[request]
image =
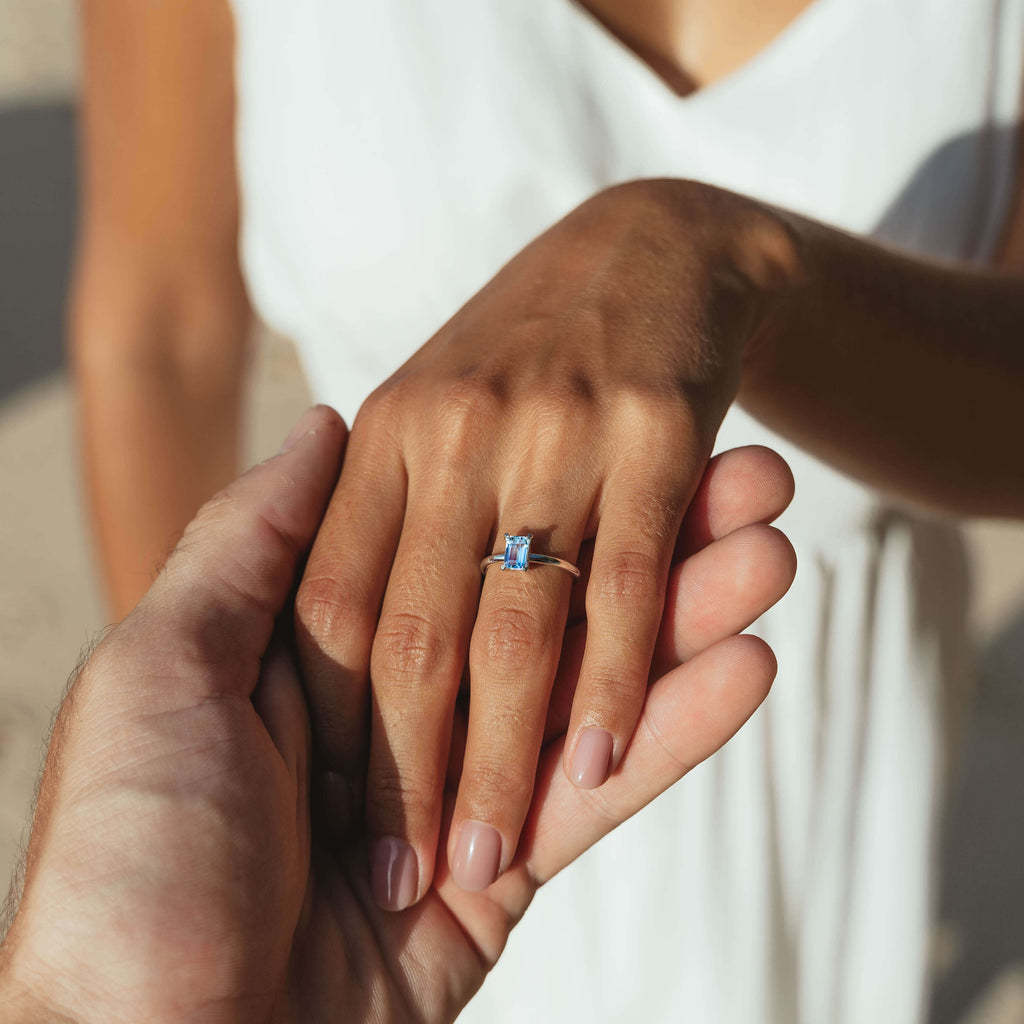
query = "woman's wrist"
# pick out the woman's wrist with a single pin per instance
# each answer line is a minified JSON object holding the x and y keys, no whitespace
{"x":754,"y":255}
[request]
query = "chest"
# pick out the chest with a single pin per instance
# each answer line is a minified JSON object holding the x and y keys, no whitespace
{"x":691,"y":44}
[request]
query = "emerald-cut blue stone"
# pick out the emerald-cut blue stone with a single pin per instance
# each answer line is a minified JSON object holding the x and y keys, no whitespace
{"x":517,"y":552}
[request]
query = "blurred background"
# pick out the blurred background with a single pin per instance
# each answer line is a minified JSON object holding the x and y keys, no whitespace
{"x":50,"y":607}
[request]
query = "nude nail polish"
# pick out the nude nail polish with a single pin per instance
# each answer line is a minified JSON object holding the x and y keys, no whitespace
{"x":591,"y":759}
{"x":394,"y":873}
{"x":477,"y":856}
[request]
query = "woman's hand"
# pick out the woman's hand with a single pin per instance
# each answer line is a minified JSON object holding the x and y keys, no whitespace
{"x":575,"y":398}
{"x":174,"y":873}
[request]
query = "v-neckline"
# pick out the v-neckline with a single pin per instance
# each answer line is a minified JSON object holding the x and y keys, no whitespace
{"x":775,"y":50}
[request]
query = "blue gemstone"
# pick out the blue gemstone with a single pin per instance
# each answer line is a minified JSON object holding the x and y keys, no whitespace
{"x":517,"y":552}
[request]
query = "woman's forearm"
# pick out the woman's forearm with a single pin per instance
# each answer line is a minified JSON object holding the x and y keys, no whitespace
{"x":906,"y":374}
{"x":159,"y":435}
{"x":159,"y":311}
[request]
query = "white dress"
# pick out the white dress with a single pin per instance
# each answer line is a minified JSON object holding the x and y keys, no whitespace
{"x":393,"y":155}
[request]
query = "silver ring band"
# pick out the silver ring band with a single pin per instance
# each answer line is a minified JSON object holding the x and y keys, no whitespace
{"x":518,"y":556}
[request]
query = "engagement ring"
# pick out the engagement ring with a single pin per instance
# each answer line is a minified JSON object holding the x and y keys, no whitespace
{"x":518,"y":556}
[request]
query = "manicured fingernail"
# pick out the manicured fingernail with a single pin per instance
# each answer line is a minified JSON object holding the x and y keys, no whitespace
{"x":394,"y":873}
{"x":477,"y":856}
{"x":299,"y":431}
{"x":591,"y":759}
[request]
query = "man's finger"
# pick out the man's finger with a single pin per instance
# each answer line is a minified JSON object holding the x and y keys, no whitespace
{"x":688,"y":715}
{"x":721,"y":590}
{"x":739,"y":487}
{"x":214,"y":605}
{"x":281,"y":704}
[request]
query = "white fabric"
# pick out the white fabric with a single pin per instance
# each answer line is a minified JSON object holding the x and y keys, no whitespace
{"x":392,"y":157}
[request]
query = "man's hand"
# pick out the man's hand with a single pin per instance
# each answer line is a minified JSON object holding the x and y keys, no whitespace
{"x":169,"y":856}
{"x":173,"y":871}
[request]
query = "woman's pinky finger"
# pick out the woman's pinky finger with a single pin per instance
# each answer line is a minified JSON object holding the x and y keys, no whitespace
{"x":625,"y":600}
{"x":711,"y":596}
{"x":741,"y":486}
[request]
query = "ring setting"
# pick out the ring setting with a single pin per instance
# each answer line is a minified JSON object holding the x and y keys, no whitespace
{"x":518,"y":556}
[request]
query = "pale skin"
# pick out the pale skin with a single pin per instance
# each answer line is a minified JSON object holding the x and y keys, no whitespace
{"x":174,"y":871}
{"x":639,"y":319}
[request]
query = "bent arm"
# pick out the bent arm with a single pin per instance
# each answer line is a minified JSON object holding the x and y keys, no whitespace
{"x":906,"y":374}
{"x":158,"y":314}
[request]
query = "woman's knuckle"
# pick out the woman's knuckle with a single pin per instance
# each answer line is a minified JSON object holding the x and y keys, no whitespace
{"x":456,"y":419}
{"x":565,"y":396}
{"x":377,"y":420}
{"x":660,"y":420}
{"x":642,"y":404}
{"x":468,"y":403}
{"x":384,"y":402}
{"x":408,"y":648}
{"x":403,"y":793}
{"x":508,"y":642}
{"x":328,"y":604}
{"x":556,"y":424}
{"x":625,"y":577}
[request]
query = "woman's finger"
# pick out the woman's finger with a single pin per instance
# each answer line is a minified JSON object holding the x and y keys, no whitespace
{"x":714,"y":594}
{"x":417,"y":660}
{"x":741,"y":486}
{"x":229,"y":577}
{"x":513,"y":658}
{"x":721,"y":590}
{"x":336,"y":612}
{"x":625,"y":598}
